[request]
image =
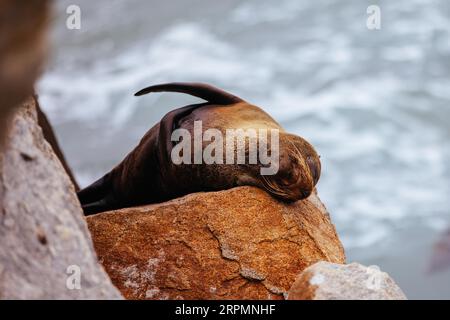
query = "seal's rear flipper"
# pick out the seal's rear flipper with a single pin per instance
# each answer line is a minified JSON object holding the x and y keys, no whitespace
{"x":102,"y":205}
{"x":93,"y":196}
{"x":200,"y":90}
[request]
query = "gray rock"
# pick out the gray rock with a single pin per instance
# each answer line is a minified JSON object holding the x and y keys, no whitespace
{"x":23,"y":49}
{"x":331,"y":281}
{"x":46,"y":250}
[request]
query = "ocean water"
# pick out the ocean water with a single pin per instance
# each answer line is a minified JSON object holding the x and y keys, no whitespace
{"x":375,"y":103}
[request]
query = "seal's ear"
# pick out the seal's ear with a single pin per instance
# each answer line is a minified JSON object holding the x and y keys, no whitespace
{"x":200,"y":90}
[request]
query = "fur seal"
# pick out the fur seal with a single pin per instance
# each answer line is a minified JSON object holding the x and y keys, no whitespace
{"x":147,"y":174}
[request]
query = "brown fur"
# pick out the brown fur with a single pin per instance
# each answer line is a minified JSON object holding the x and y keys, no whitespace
{"x":147,"y":174}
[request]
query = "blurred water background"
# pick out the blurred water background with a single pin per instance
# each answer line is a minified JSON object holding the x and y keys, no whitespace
{"x":375,"y":103}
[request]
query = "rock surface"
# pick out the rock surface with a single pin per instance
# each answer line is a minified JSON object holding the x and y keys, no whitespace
{"x":330,"y":281}
{"x":233,"y":244}
{"x":44,"y":238}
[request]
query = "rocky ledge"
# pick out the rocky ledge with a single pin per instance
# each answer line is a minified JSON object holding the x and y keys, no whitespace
{"x":46,"y":251}
{"x":233,"y":244}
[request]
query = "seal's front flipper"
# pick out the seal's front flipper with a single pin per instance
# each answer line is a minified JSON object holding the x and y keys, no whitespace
{"x":201,"y":90}
{"x":166,"y":127}
{"x":95,"y":193}
{"x":106,"y":204}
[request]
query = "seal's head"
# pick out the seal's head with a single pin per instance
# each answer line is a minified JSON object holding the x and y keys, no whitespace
{"x":298,"y":172}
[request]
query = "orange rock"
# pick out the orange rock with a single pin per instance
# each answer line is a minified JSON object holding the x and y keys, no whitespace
{"x":233,"y":244}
